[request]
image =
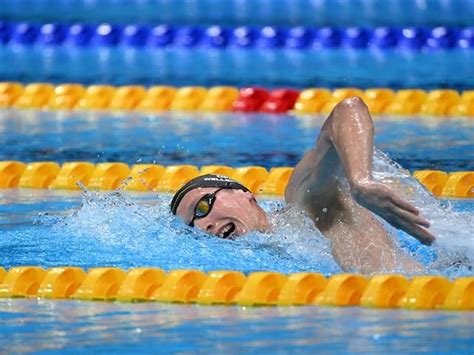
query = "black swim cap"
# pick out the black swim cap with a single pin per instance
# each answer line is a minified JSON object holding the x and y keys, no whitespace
{"x":209,"y":180}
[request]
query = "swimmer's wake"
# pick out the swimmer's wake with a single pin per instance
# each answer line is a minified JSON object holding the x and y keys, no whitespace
{"x":128,"y":232}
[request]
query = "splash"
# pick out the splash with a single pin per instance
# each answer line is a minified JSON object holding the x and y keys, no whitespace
{"x":116,"y":229}
{"x":119,"y":230}
{"x":454,"y":247}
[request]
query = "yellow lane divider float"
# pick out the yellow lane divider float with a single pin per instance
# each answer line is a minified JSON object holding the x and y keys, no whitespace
{"x":152,"y":177}
{"x":234,"y":287}
{"x":222,"y":99}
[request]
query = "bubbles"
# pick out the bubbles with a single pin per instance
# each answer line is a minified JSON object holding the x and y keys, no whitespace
{"x":115,"y":229}
{"x":454,"y":247}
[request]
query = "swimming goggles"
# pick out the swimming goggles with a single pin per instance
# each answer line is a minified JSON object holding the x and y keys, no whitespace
{"x":208,"y":180}
{"x":204,"y":206}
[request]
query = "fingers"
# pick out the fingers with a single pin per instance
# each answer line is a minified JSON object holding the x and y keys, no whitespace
{"x":401,"y":214}
{"x":419,"y":220}
{"x":414,"y":225}
{"x":405,"y":205}
{"x":415,"y":218}
{"x":421,"y":234}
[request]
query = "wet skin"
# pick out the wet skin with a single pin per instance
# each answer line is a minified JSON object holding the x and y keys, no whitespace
{"x":234,"y":213}
{"x":343,"y":152}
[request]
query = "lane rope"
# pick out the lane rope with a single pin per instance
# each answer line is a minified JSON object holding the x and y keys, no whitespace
{"x":154,"y":177}
{"x":408,"y":102}
{"x":84,"y":35}
{"x":236,"y":288}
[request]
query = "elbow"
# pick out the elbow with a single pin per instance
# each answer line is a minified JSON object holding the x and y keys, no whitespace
{"x":352,"y":110}
{"x":350,"y":104}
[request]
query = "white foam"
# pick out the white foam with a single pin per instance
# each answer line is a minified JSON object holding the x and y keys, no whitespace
{"x":452,"y":229}
{"x":135,"y":233}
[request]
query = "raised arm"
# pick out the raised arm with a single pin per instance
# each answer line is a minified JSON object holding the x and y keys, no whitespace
{"x":345,"y":149}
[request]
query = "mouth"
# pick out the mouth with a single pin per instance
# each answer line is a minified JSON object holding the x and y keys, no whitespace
{"x":227,"y":231}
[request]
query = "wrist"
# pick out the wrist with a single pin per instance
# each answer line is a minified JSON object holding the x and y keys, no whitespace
{"x":359,"y":183}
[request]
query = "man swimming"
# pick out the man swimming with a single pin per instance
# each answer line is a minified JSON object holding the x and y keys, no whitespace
{"x":333,"y":183}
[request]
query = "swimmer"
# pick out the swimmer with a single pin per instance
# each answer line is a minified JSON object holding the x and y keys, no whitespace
{"x":341,"y":157}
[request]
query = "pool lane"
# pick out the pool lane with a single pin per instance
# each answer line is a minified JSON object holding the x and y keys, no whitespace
{"x":71,"y":327}
{"x":228,"y":139}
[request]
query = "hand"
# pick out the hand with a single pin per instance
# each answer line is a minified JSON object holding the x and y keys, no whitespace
{"x":383,"y":201}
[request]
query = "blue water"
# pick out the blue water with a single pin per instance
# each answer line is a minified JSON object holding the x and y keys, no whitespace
{"x":90,"y":327}
{"x":51,"y":228}
{"x":112,"y":228}
{"x":266,"y":12}
{"x":299,"y":68}
{"x":228,"y":139}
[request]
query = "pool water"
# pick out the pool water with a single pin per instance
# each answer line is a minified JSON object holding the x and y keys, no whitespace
{"x":300,"y":68}
{"x":49,"y":228}
{"x":127,"y":229}
{"x":70,"y":327}
{"x":52,"y":228}
{"x":228,"y":139}
{"x":232,"y":12}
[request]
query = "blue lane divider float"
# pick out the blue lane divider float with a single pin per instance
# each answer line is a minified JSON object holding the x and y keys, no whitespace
{"x":244,"y":37}
{"x":238,"y":12}
{"x":240,"y":56}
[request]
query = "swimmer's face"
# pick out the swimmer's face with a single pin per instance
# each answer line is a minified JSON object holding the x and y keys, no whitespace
{"x":233,"y":213}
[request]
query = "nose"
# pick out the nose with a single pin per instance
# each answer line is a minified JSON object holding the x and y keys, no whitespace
{"x":209,"y":227}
